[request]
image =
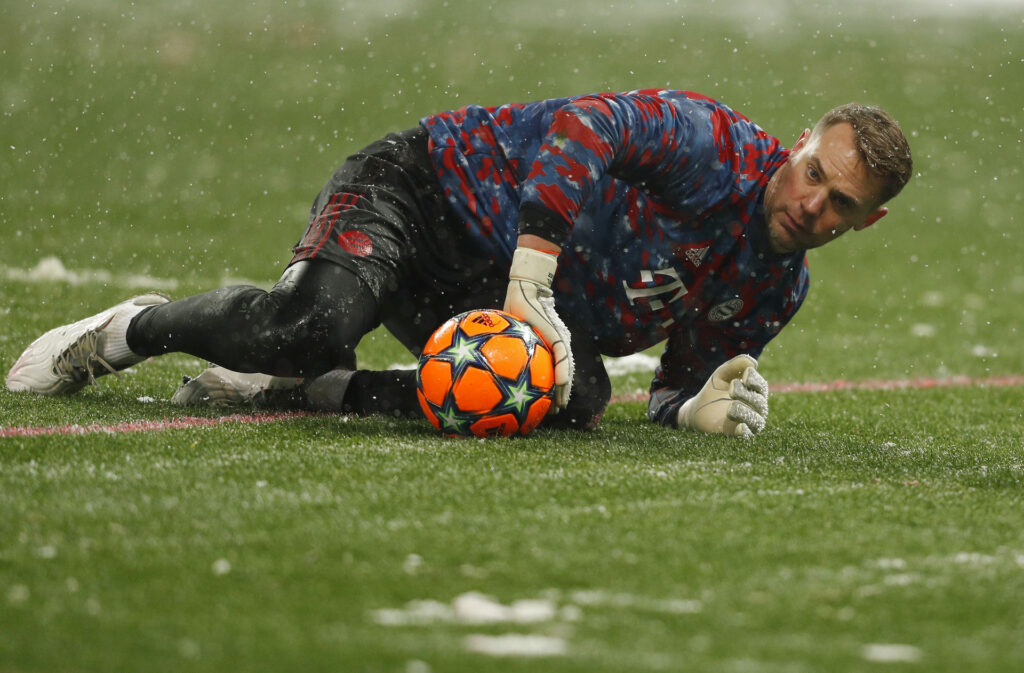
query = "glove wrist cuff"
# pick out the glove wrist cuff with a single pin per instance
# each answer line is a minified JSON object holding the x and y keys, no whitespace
{"x":533,"y":265}
{"x":684,"y":417}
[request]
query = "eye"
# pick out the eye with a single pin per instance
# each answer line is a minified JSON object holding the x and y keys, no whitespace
{"x":812,"y":173}
{"x":843,"y":203}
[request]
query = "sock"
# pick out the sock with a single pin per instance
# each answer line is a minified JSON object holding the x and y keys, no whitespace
{"x":115,"y":348}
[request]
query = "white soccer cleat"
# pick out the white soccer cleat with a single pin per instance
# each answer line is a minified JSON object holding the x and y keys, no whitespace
{"x":68,"y":358}
{"x":220,"y":387}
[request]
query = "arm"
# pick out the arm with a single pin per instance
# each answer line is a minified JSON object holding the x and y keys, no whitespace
{"x":703,"y":371}
{"x":707,"y":379}
{"x":665,"y":146}
{"x":638,"y":137}
{"x":529,"y":297}
{"x":733,"y":401}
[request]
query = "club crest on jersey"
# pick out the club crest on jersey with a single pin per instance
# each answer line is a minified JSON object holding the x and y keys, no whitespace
{"x":725,"y":310}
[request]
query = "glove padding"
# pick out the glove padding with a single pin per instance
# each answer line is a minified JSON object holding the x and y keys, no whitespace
{"x":733,"y":402}
{"x":529,"y":298}
{"x":220,"y":387}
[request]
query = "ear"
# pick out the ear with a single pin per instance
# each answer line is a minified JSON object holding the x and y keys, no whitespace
{"x":872,"y":218}
{"x":801,"y":141}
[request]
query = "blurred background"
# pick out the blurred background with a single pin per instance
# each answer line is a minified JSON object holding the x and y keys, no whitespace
{"x":181,"y":143}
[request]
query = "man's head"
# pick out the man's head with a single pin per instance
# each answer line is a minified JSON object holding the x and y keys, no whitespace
{"x":837,"y":178}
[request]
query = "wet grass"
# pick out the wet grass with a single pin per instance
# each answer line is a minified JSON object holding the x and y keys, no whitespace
{"x":857,"y":519}
{"x":185,"y":142}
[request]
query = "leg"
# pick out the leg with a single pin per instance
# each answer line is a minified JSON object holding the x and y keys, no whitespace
{"x":411,"y":316}
{"x":364,"y":393}
{"x":381,"y":216}
{"x":394,"y":392}
{"x":308,"y":324}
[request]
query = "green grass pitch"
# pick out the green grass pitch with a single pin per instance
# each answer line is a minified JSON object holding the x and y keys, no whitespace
{"x":177,"y":145}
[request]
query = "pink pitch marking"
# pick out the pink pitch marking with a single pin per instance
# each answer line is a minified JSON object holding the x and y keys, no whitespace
{"x":898,"y":384}
{"x":185,"y":422}
{"x":179,"y":423}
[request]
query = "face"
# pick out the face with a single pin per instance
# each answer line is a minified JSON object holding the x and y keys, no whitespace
{"x":820,"y":193}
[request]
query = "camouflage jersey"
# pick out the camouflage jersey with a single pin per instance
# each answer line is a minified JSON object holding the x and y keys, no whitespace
{"x":655,"y":197}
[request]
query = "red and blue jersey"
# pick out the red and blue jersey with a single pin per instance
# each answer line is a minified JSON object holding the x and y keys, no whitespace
{"x":656,"y":199}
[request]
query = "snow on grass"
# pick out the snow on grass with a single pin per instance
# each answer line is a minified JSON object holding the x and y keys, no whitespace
{"x":630,"y":364}
{"x":52,"y":270}
{"x":623,"y":600}
{"x":553,"y":608}
{"x":890,"y":653}
{"x":469,"y":608}
{"x":516,"y":645}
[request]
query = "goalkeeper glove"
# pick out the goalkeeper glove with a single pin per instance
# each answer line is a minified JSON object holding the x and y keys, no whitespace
{"x":220,"y":387}
{"x":529,"y":298}
{"x":733,"y":402}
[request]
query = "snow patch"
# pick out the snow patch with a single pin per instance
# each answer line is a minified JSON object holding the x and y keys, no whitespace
{"x":516,"y":645}
{"x":221,"y":566}
{"x":469,"y":608}
{"x":676,"y":606}
{"x":18,"y":594}
{"x":923,"y":329}
{"x":52,"y":270}
{"x":973,"y":558}
{"x":982,"y":351}
{"x":475,"y":609}
{"x":630,"y":364}
{"x":890,"y":652}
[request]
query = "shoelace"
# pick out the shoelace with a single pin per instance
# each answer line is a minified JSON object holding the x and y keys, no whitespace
{"x":78,"y":357}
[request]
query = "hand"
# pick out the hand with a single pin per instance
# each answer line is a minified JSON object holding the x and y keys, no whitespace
{"x":220,"y":387}
{"x":733,"y":402}
{"x":529,"y":298}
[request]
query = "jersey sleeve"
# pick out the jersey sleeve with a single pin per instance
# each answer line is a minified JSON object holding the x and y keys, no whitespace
{"x":664,"y":146}
{"x":692,"y":353}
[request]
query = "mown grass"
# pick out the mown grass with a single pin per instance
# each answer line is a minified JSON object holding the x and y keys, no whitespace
{"x":185,"y":141}
{"x":832,"y":531}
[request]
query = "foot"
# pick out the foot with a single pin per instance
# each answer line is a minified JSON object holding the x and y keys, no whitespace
{"x":68,"y":358}
{"x":220,"y":387}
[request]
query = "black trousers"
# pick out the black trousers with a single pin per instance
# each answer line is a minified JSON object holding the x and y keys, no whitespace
{"x":381,"y":247}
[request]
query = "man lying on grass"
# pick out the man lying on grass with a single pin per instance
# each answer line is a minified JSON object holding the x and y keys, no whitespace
{"x":609,"y":222}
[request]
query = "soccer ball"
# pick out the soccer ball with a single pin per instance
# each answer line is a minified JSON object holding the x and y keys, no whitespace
{"x":485,"y":373}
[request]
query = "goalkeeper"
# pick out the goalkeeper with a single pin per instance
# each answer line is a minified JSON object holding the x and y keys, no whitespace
{"x":610,"y":222}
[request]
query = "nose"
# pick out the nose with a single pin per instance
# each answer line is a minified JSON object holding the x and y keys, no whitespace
{"x":814,"y":201}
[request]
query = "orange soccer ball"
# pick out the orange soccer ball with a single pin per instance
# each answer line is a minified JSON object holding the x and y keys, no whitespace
{"x":485,"y":373}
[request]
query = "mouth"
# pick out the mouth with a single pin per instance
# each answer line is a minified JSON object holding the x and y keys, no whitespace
{"x":794,"y":233}
{"x":790,"y":224}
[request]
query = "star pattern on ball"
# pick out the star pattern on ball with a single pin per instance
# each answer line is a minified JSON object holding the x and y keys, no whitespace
{"x":449,"y":417}
{"x":465,"y":351}
{"x":519,"y":395}
{"x":494,"y":378}
{"x":526,"y":333}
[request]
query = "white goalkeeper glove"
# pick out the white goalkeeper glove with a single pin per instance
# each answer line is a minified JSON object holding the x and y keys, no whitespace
{"x":220,"y":387}
{"x":733,"y":402}
{"x":529,"y":298}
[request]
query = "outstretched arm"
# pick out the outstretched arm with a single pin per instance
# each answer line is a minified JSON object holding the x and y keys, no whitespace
{"x":638,"y":137}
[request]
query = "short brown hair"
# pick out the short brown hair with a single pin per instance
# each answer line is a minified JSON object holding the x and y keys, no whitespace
{"x":880,"y":141}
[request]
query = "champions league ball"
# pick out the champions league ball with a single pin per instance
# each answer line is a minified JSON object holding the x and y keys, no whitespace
{"x":485,"y":373}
